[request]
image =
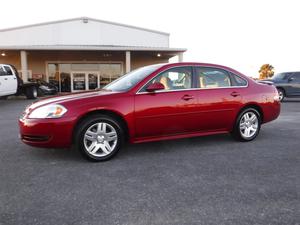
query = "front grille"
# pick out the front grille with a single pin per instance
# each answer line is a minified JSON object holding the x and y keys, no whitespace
{"x":35,"y":138}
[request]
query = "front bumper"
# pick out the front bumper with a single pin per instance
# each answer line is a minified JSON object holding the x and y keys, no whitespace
{"x":46,"y":133}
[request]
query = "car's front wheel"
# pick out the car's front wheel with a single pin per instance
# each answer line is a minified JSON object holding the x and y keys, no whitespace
{"x":247,"y":125}
{"x":99,"y":137}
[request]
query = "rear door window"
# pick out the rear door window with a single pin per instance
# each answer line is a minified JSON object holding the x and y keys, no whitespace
{"x":238,"y":81}
{"x":212,"y":78}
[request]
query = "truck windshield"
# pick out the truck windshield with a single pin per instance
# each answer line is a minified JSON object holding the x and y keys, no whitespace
{"x":129,"y":80}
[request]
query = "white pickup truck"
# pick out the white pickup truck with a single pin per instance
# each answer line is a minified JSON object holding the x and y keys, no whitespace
{"x":12,"y":84}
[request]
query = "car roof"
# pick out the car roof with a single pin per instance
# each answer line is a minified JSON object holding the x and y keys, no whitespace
{"x":201,"y":64}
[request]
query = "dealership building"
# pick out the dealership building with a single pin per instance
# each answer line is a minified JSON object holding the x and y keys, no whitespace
{"x":82,"y":53}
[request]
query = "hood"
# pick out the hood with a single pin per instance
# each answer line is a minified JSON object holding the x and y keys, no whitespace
{"x":69,"y":97}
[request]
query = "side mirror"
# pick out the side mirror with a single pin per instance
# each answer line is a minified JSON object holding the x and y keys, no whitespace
{"x":290,"y":79}
{"x":155,"y":87}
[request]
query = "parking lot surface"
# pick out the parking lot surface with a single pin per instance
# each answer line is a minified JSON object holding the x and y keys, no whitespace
{"x":206,"y":180}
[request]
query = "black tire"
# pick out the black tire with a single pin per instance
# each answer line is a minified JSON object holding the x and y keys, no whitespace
{"x":281,"y":94}
{"x":237,"y":131}
{"x":40,"y":93}
{"x":82,"y":128}
{"x":3,"y":97}
{"x":31,"y":92}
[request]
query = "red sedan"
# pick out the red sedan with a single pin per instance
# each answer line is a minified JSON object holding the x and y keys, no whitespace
{"x":157,"y":102}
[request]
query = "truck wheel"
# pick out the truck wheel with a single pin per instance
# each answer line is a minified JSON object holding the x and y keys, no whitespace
{"x":31,"y":92}
{"x":3,"y":97}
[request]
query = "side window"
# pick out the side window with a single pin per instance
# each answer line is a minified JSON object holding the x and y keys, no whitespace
{"x":296,"y":78}
{"x":2,"y":71}
{"x":174,"y":79}
{"x":8,"y":70}
{"x":212,"y":78}
{"x":237,"y":81}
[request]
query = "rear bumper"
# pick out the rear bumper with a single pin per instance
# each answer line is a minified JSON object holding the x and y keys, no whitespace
{"x":271,"y":111}
{"x":46,"y":133}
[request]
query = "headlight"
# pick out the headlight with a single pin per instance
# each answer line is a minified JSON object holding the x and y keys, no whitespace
{"x":48,"y":111}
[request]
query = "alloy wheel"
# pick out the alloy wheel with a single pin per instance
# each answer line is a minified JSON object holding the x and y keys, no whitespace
{"x":249,"y":125}
{"x":100,"y":139}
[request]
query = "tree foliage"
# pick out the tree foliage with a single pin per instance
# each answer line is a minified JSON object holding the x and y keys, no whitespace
{"x":266,"y":71}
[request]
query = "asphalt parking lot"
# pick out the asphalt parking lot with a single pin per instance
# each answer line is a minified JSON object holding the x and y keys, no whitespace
{"x":207,"y":180}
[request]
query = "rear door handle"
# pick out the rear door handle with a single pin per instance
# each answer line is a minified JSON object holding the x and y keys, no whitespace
{"x":187,"y":97}
{"x":235,"y":94}
{"x":5,"y":78}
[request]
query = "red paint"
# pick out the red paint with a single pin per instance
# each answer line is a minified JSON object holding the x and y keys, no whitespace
{"x":155,"y":116}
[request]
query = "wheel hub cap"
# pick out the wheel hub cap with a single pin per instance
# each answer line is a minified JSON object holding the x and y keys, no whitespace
{"x":248,"y":125}
{"x":100,"y":139}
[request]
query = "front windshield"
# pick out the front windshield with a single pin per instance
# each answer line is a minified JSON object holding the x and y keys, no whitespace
{"x":129,"y":80}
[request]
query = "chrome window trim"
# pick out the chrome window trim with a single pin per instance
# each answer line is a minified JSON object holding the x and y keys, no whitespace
{"x":190,"y":89}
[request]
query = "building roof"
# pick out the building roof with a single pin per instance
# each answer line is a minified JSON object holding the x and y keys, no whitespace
{"x":83,"y":19}
{"x":83,"y":33}
{"x":91,"y":48}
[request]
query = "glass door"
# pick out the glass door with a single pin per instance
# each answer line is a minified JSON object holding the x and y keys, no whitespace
{"x":78,"y":81}
{"x":93,"y":80}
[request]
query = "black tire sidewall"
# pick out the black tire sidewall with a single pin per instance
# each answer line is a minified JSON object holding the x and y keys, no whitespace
{"x":237,"y":131}
{"x":30,"y":92}
{"x":283,"y":93}
{"x":82,"y":128}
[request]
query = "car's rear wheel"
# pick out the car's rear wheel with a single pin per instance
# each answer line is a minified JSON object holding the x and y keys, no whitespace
{"x":281,"y":94}
{"x":99,"y":137}
{"x":247,"y":125}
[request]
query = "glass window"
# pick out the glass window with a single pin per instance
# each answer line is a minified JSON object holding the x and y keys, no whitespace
{"x":174,"y":79}
{"x":53,"y":73}
{"x":295,"y":78}
{"x":212,"y":78}
{"x":8,"y":70}
{"x":237,"y":81}
{"x":85,"y":67}
{"x":281,"y":76}
{"x":2,"y":71}
{"x":129,"y":80}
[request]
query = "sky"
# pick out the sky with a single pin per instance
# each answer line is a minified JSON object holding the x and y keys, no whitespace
{"x":237,"y":33}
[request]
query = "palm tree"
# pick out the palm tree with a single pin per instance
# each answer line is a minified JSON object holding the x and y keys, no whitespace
{"x":266,"y":71}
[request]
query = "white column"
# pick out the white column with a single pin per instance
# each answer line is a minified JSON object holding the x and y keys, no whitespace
{"x":180,"y":57}
{"x":128,"y":62}
{"x":24,"y":66}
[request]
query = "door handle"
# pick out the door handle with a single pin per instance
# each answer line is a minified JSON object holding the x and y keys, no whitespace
{"x":235,"y":94}
{"x":5,"y":78}
{"x":187,"y":97}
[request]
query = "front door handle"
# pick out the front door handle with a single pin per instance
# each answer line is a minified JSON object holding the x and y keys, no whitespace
{"x":5,"y":78}
{"x":187,"y":97}
{"x":235,"y":94}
